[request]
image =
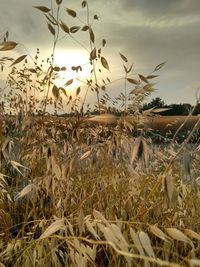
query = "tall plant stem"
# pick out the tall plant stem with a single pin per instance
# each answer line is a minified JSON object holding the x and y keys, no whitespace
{"x":93,"y":64}
{"x":53,"y":53}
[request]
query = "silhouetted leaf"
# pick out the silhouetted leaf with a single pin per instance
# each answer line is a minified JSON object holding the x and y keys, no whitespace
{"x":69,"y":82}
{"x":93,"y":54}
{"x":32,"y":70}
{"x":74,"y":29}
{"x":64,"y":27}
{"x":51,"y":19}
{"x":56,"y":68}
{"x":8,"y":45}
{"x":125,"y":68}
{"x":84,"y":3}
{"x":103,"y":42}
{"x":71,"y":12}
{"x":55,"y":92}
{"x":130,"y":80}
{"x":43,"y":8}
{"x":85,"y":28}
{"x":91,"y":35}
{"x":158,"y":67}
{"x":63,"y":90}
{"x":123,"y":57}
{"x":19,"y":59}
{"x":99,"y":52}
{"x":152,"y":76}
{"x":78,"y":91}
{"x":51,"y":29}
{"x":129,"y":70}
{"x":58,"y":2}
{"x":104,"y":63}
{"x":144,"y":79}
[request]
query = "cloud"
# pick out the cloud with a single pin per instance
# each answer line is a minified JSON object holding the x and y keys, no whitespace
{"x":162,"y":8}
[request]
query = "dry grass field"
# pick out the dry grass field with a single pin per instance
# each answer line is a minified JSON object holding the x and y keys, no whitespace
{"x":76,"y":194}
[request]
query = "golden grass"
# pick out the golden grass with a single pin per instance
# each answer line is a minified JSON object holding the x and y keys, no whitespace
{"x":74,"y":194}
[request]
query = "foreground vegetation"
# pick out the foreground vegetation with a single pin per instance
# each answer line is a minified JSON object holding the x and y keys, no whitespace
{"x":92,"y":191}
{"x":80,"y":194}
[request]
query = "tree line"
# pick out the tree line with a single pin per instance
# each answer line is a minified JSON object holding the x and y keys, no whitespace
{"x":174,"y":109}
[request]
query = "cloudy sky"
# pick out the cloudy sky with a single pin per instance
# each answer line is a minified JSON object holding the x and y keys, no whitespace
{"x":147,"y":32}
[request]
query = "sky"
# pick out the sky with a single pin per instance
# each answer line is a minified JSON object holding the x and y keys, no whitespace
{"x":147,"y":32}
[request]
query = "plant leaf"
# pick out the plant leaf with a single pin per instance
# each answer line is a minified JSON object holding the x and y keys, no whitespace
{"x":159,"y":66}
{"x":134,"y":81}
{"x":178,"y":235}
{"x":84,"y":3}
{"x":58,"y":2}
{"x":85,"y":155}
{"x":54,"y":227}
{"x":16,"y":164}
{"x":93,"y":54}
{"x":64,"y":27}
{"x":69,"y":82}
{"x":71,"y":12}
{"x":25,"y":191}
{"x":43,"y":8}
{"x":91,"y":35}
{"x":8,"y":45}
{"x":123,"y":57}
{"x":98,"y":216}
{"x":129,"y":70}
{"x":51,"y":29}
{"x":143,"y":78}
{"x":55,"y":92}
{"x":74,"y":29}
{"x":146,"y":243}
{"x":192,"y":234}
{"x":103,"y":42}
{"x":91,"y":229}
{"x":151,"y":76}
{"x":159,"y":233}
{"x":51,"y":19}
{"x":104,"y":63}
{"x":19,"y":59}
{"x":136,"y":241}
{"x":78,"y":90}
{"x":85,"y":28}
{"x":63,"y":90}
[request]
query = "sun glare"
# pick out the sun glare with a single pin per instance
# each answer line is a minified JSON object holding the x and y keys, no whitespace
{"x":69,"y":59}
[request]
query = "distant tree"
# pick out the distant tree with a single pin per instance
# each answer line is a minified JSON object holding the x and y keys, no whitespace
{"x":196,"y":110}
{"x":155,"y":103}
{"x":178,"y":109}
{"x":174,"y":109}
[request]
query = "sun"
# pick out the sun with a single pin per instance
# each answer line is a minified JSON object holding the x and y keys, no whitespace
{"x":71,"y":59}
